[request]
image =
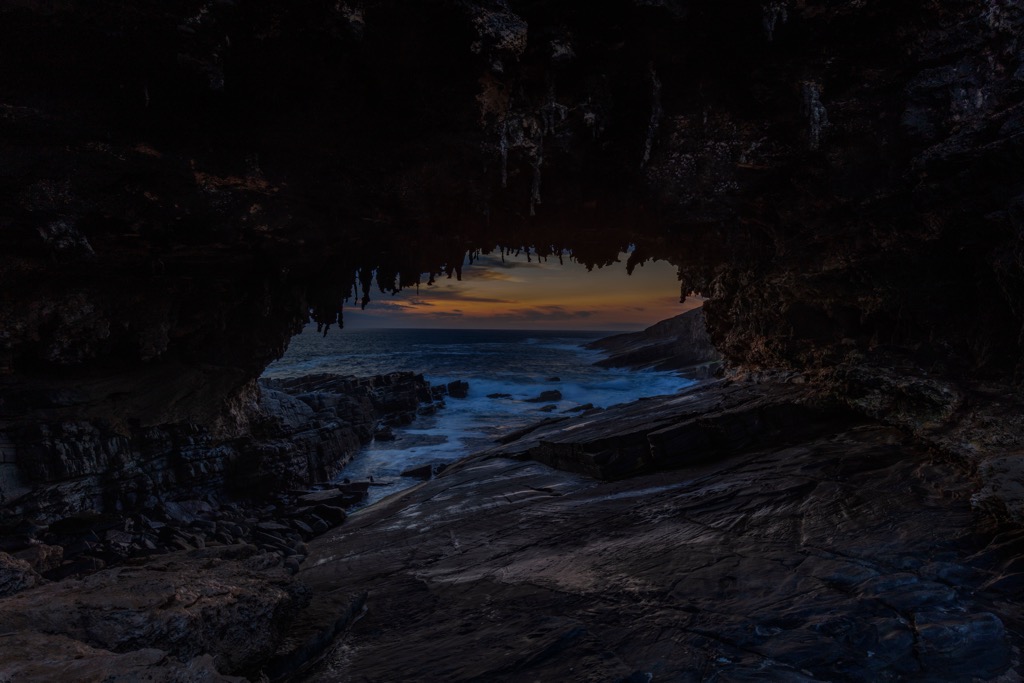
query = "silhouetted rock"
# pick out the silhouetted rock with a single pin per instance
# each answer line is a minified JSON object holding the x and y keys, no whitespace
{"x":458,"y":389}
{"x":680,"y":343}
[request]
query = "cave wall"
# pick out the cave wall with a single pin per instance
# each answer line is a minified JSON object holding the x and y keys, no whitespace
{"x":183,"y":183}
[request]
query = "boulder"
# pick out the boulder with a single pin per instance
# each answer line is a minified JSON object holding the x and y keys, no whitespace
{"x":16,"y":575}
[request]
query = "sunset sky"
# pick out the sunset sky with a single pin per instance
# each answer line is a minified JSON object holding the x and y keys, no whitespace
{"x":521,"y":294}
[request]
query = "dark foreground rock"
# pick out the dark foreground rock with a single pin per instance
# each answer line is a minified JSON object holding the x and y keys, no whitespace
{"x":286,"y":433}
{"x":680,"y":343}
{"x":181,"y":617}
{"x":828,"y":547}
{"x":742,"y":530}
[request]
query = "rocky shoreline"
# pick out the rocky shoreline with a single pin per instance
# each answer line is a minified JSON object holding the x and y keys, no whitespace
{"x":753,"y":525}
{"x":302,"y":432}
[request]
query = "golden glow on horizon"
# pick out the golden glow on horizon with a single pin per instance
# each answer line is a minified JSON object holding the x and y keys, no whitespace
{"x":533,"y":294}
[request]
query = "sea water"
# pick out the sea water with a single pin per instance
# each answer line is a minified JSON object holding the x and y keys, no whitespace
{"x":520,"y":363}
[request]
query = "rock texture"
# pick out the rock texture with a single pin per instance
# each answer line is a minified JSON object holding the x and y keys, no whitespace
{"x":834,"y":179}
{"x":287,"y":433}
{"x":183,"y":617}
{"x":839,"y":553}
{"x":680,"y":343}
{"x":183,"y":184}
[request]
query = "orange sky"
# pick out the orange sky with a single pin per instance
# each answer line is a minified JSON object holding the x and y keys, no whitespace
{"x":519,"y":294}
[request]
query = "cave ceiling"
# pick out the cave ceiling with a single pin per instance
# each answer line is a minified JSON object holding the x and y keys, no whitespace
{"x":182,"y":183}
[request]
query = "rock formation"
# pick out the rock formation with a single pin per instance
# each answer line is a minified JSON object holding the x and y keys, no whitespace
{"x":183,"y":184}
{"x":680,"y":343}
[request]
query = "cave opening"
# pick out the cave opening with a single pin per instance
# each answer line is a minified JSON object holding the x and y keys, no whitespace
{"x":501,"y":339}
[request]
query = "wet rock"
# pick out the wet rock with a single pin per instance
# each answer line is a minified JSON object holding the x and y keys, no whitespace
{"x":781,"y":558}
{"x":384,"y":434}
{"x":458,"y":389}
{"x":546,"y":396}
{"x":425,"y":471}
{"x":499,"y":395}
{"x":548,"y":408}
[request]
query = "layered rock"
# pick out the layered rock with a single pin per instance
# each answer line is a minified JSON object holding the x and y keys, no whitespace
{"x":680,"y":343}
{"x":182,"y":617}
{"x":786,"y":547}
{"x":290,"y":433}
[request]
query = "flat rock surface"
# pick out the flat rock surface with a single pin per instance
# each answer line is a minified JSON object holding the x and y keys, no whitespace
{"x":846,"y":555}
{"x":181,"y":617}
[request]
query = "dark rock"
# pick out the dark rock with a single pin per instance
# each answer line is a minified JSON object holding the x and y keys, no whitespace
{"x":318,"y":525}
{"x":73,"y":660}
{"x":332,"y":515}
{"x":548,"y":408}
{"x":84,"y":523}
{"x":384,"y":434}
{"x":190,"y":605}
{"x":499,"y":395}
{"x":579,"y":409}
{"x":16,"y":575}
{"x":553,"y":379}
{"x":14,"y":543}
{"x":41,"y":557}
{"x":303,"y":528}
{"x":335,"y":497}
{"x":546,"y":396}
{"x":425,"y":471}
{"x":779,"y":506}
{"x":680,"y":343}
{"x":458,"y":389}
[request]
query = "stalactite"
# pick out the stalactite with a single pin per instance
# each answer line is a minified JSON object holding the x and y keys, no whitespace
{"x":773,"y":15}
{"x":814,"y":110}
{"x":365,"y":278}
{"x":503,"y":146}
{"x":538,"y":159}
{"x":656,"y":112}
{"x":552,"y":113}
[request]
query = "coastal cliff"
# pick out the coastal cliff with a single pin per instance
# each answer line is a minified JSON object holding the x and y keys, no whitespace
{"x":680,"y":343}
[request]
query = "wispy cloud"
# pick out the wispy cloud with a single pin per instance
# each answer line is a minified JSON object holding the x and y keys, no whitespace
{"x":543,"y":313}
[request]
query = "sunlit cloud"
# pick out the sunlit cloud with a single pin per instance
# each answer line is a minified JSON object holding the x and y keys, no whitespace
{"x":533,"y":294}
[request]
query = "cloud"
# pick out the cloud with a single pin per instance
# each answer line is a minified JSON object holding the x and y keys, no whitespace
{"x":544,"y":313}
{"x":455,"y":294}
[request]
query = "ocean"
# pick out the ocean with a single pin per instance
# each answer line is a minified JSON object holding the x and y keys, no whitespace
{"x":520,"y":363}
